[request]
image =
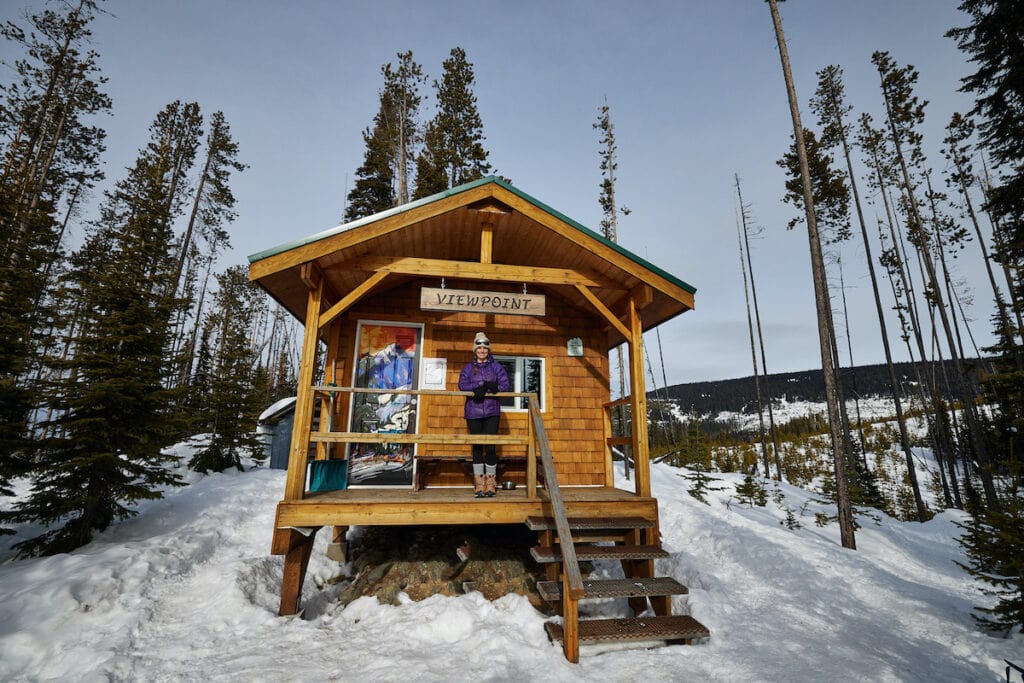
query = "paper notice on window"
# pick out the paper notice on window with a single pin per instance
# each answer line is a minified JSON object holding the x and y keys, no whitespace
{"x":434,"y":372}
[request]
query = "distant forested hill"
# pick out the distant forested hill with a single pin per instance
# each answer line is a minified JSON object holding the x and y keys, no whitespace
{"x":737,"y":395}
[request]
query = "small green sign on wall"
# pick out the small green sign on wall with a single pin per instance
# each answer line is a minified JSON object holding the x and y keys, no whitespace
{"x":574,"y":346}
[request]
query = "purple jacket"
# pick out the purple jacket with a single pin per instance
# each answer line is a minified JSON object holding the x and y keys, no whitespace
{"x":475,"y":374}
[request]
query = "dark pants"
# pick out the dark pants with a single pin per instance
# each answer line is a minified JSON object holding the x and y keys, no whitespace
{"x":484,"y":425}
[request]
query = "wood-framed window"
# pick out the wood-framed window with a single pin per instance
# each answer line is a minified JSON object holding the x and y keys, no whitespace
{"x":525,"y":374}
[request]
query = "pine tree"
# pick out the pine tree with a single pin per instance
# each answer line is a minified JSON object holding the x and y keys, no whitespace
{"x":752,"y":491}
{"x":610,"y":221}
{"x":50,"y":157}
{"x":383,"y":180}
{"x":829,"y":103}
{"x":373,"y":190}
{"x":112,"y":417}
{"x":212,"y":208}
{"x":822,"y":305}
{"x":453,"y":143}
{"x":234,"y":402}
{"x":904,"y":114}
{"x":995,"y":537}
{"x":994,"y":542}
{"x":402,"y":90}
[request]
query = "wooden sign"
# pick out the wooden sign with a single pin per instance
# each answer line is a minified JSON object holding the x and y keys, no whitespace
{"x":470,"y":301}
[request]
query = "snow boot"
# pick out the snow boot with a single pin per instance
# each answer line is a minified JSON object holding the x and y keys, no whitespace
{"x":479,"y":486}
{"x":490,"y":485}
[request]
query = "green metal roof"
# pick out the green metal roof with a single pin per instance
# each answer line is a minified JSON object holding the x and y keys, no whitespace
{"x":458,"y":190}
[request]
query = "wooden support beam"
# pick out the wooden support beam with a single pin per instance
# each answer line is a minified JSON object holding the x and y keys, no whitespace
{"x":311,"y":275}
{"x":296,"y":560}
{"x":638,"y":394}
{"x":295,"y":484}
{"x":472,"y":270}
{"x":350,"y":298}
{"x":326,"y":422}
{"x":643,"y":295}
{"x":604,"y":311}
{"x":486,"y":242}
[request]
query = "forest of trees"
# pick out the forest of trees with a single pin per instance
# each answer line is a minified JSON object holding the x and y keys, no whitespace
{"x":124,"y":343}
{"x":850,"y":166}
{"x":133,"y":338}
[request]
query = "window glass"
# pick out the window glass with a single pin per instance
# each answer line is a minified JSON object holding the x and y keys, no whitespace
{"x":526,"y":375}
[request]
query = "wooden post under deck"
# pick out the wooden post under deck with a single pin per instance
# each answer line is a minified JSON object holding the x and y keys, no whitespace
{"x":296,"y":560}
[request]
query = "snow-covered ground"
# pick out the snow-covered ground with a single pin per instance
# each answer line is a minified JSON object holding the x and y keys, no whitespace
{"x":188,"y":591}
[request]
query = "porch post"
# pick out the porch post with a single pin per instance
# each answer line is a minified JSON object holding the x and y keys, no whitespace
{"x":295,"y":485}
{"x":638,"y":395}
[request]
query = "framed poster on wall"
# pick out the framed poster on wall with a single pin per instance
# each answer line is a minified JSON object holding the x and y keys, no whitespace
{"x":387,"y":357}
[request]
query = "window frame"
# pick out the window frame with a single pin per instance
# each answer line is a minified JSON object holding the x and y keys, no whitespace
{"x":517,"y":380}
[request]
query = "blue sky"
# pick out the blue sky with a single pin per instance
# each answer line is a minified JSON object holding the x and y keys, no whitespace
{"x":696,"y":95}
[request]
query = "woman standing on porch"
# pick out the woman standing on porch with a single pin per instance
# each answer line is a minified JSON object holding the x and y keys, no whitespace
{"x":483,"y":375}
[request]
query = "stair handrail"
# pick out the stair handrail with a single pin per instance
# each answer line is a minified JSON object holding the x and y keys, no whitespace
{"x":570,"y":565}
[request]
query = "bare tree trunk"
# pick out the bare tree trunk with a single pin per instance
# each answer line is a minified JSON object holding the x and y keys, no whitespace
{"x":760,"y":338}
{"x":753,"y":352}
{"x":853,"y":368}
{"x":822,"y":304}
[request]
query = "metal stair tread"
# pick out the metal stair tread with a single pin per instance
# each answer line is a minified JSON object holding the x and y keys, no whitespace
{"x":546,"y":523}
{"x":616,"y":588}
{"x":545,"y":554}
{"x":681,"y":627}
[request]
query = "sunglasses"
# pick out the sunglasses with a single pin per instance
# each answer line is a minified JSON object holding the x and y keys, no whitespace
{"x":483,"y":343}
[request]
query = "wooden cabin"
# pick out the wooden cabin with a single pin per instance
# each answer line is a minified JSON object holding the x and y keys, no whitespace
{"x":395,"y":299}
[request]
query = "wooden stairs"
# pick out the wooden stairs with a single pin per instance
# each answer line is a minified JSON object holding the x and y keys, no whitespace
{"x":630,"y":540}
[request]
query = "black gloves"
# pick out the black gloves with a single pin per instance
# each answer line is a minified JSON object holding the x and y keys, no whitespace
{"x":479,"y":392}
{"x":492,"y":387}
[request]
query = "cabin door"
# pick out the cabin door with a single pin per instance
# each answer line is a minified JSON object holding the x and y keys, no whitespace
{"x":387,"y":356}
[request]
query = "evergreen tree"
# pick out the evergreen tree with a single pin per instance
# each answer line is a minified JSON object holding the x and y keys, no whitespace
{"x":50,"y":156}
{"x":373,"y":190}
{"x":995,"y":537}
{"x":212,"y":207}
{"x":831,"y":192}
{"x":383,"y":180}
{"x":829,"y":103}
{"x":234,"y":401}
{"x":402,"y":90}
{"x":994,"y":542}
{"x":904,"y":114}
{"x":752,"y":491}
{"x":453,"y":147}
{"x":823,"y":306}
{"x":112,"y":417}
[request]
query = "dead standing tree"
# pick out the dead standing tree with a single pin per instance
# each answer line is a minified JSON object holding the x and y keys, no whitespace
{"x":821,"y":299}
{"x":745,"y":247}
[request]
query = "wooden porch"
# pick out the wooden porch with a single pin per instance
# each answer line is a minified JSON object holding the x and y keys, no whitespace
{"x":455,"y":505}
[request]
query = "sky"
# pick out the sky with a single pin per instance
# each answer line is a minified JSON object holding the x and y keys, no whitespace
{"x":187,"y":591}
{"x":696,"y":96}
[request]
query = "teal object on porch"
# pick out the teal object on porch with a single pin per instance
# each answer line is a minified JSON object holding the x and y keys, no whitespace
{"x":328,"y":475}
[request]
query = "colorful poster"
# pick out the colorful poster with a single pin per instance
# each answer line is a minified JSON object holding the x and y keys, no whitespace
{"x":387,"y":357}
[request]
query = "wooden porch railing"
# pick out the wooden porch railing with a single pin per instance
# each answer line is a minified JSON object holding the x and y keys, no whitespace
{"x":536,"y":442}
{"x":321,"y":436}
{"x":625,"y":440}
{"x":572,"y":580}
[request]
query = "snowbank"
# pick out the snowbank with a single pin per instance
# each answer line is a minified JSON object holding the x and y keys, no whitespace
{"x":188,"y":591}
